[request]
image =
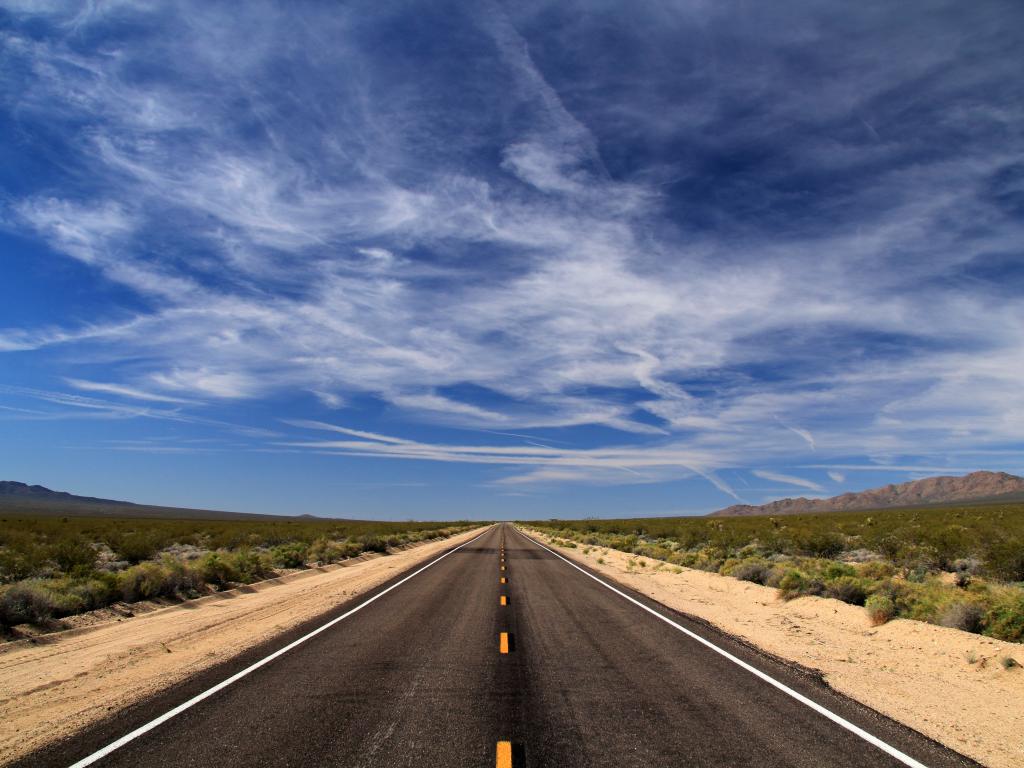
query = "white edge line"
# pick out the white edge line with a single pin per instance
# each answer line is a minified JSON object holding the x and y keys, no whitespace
{"x":143,"y":729}
{"x":841,"y":721}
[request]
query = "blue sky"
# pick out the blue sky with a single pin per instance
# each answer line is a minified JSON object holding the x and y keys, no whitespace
{"x":526,"y":259}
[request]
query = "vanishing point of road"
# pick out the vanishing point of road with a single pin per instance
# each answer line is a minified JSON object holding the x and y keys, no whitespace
{"x":500,"y":653}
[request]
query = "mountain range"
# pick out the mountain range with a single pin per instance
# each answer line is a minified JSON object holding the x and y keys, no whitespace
{"x":977,"y":486}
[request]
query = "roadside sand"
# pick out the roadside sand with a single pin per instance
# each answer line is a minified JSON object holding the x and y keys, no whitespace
{"x":51,"y":689}
{"x":916,"y":673}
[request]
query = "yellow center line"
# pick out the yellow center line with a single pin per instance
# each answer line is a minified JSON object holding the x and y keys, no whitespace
{"x":503,"y":757}
{"x":503,"y":643}
{"x":504,"y":600}
{"x":504,"y":580}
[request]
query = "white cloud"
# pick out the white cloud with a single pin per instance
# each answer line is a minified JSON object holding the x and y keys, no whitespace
{"x":204,"y":381}
{"x":567,"y":299}
{"x":124,"y":391}
{"x":778,"y":477}
{"x":837,"y":477}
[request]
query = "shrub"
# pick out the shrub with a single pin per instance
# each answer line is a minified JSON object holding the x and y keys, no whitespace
{"x":26,"y":603}
{"x":794,"y":584}
{"x":848,"y":589}
{"x":917,"y":574}
{"x":323,"y":551}
{"x":775,"y":576}
{"x":24,"y":562}
{"x":215,"y":569}
{"x":96,"y":592}
{"x":142,"y":582}
{"x":755,"y":571}
{"x":1005,"y":618}
{"x":73,"y":554}
{"x":880,"y":608}
{"x":968,"y":617}
{"x":819,"y":544}
{"x":1004,"y":559}
{"x":877,"y":569}
{"x":249,"y":566}
{"x":135,"y":547}
{"x":374,"y":544}
{"x":293,"y":555}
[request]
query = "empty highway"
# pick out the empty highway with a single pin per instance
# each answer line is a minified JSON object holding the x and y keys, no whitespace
{"x":500,"y":653}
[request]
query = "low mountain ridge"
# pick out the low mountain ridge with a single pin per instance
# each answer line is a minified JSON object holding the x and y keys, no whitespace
{"x":930,"y":490}
{"x":20,"y":499}
{"x":12,"y":488}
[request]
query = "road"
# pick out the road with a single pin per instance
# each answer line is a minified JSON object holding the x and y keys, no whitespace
{"x":418,"y":678}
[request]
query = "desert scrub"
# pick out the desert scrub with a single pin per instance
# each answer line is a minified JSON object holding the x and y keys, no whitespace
{"x":293,"y":554}
{"x":941,"y":565}
{"x":27,"y":602}
{"x":1004,"y":618}
{"x":55,"y":567}
{"x":754,"y":569}
{"x":968,"y":617}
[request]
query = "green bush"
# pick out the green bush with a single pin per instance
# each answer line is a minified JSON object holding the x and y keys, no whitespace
{"x":23,"y":563}
{"x":880,"y":608}
{"x":291,"y":555}
{"x":74,"y":554}
{"x":1005,"y":618}
{"x":849,"y":589}
{"x":135,"y":547}
{"x":323,"y":551}
{"x":1004,"y":559}
{"x":795,"y":584}
{"x":95,"y":592}
{"x":819,"y":543}
{"x":249,"y":566}
{"x":373,"y":544}
{"x":877,"y":569}
{"x":215,"y":568}
{"x":28,"y":602}
{"x":143,"y":582}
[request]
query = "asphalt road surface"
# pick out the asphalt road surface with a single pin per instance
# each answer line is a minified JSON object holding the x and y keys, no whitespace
{"x":419,"y":678}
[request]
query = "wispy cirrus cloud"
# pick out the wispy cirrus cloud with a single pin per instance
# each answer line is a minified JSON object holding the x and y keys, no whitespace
{"x":779,"y":477}
{"x":123,"y":391}
{"x":709,"y":251}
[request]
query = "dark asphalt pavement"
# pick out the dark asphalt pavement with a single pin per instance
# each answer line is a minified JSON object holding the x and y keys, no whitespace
{"x":416,"y":679}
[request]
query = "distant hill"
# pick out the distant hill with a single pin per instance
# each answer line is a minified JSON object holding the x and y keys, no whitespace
{"x":20,"y":499}
{"x":22,"y":491}
{"x":977,"y":486}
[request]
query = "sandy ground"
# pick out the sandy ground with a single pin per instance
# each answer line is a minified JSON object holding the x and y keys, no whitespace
{"x":52,"y":688}
{"x":916,"y":673}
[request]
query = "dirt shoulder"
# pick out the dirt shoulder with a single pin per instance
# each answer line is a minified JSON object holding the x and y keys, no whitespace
{"x":918,"y":674}
{"x":52,"y":688}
